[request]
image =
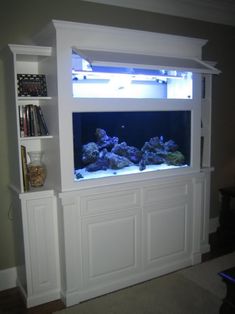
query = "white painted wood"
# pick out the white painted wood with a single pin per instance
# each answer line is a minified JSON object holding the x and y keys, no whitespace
{"x":155,"y":192}
{"x":206,"y":158}
{"x":37,"y":250}
{"x":117,"y":231}
{"x":117,"y":40}
{"x":141,"y":61}
{"x":19,"y":241}
{"x":111,"y":247}
{"x":35,"y":212}
{"x":103,"y":38}
{"x":118,"y":244}
{"x":205,"y":222}
{"x":71,"y":243}
{"x":37,"y":60}
{"x":39,"y":220}
{"x":198,"y":217}
{"x":113,"y":202}
{"x":25,"y":52}
{"x":206,"y":121}
{"x":167,"y":233}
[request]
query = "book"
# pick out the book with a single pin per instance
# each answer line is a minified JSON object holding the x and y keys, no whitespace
{"x":36,"y":122}
{"x":27,"y":118}
{"x":24,"y":168}
{"x":21,"y":120}
{"x":24,"y":121}
{"x":42,"y":122}
{"x":32,"y":121}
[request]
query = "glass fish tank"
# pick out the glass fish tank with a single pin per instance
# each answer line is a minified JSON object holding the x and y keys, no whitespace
{"x":107,"y":144}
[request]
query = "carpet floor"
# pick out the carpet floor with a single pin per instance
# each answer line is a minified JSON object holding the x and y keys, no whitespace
{"x":194,"y":290}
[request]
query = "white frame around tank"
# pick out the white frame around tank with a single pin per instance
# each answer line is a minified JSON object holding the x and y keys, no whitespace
{"x":122,"y":41}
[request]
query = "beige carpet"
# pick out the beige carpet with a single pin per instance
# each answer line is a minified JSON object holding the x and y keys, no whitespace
{"x":195,"y":290}
{"x":205,"y":274}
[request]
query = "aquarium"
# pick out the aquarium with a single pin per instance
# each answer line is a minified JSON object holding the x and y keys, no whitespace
{"x":116,"y":80}
{"x":120,"y":143}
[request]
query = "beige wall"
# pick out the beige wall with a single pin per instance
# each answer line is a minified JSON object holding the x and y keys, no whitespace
{"x":20,"y":19}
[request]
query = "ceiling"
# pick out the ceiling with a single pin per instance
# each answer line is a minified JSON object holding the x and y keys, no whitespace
{"x":215,"y":11}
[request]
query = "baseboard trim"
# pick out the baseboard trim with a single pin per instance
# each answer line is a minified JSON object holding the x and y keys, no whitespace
{"x":213,"y":224}
{"x":7,"y":278}
{"x":43,"y":298}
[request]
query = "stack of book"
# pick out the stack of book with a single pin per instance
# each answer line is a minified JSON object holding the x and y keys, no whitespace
{"x":32,"y":122}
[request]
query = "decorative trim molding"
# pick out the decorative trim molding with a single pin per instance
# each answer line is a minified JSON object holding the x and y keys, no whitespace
{"x":214,"y":11}
{"x":7,"y":278}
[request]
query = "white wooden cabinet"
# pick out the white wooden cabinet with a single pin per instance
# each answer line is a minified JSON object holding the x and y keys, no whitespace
{"x":78,"y":240}
{"x":35,"y":210}
{"x":36,"y":234}
{"x":123,"y":234}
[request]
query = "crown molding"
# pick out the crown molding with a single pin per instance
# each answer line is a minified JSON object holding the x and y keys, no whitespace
{"x":214,"y":11}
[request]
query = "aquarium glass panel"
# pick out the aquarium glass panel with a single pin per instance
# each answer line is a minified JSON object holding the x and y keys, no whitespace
{"x":118,"y":143}
{"x":91,"y":81}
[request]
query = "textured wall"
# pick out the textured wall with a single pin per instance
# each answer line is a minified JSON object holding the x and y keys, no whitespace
{"x":19,"y":20}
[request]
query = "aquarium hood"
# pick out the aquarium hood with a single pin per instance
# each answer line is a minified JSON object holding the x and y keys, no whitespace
{"x":98,"y":59}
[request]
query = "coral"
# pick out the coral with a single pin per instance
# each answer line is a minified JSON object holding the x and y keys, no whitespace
{"x":105,"y":141}
{"x":78,"y":175}
{"x":130,"y":152}
{"x":90,"y":153}
{"x":176,"y":158}
{"x":170,"y":146}
{"x":150,"y":158}
{"x":107,"y":153}
{"x":100,"y":164}
{"x":116,"y":161}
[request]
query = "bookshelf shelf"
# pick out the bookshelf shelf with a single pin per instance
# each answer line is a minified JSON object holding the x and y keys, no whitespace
{"x":36,"y":115}
{"x":30,"y":138}
{"x":32,"y":120}
{"x":34,"y":98}
{"x":44,"y":191}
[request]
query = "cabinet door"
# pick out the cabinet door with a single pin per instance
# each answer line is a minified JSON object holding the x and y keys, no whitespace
{"x":41,"y":245}
{"x":111,"y":248}
{"x":167,"y":224}
{"x":167,"y":234}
